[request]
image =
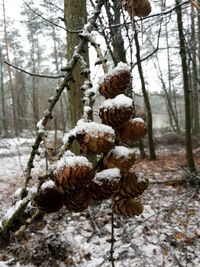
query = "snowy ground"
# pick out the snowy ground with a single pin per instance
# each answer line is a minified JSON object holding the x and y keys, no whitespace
{"x":166,"y":234}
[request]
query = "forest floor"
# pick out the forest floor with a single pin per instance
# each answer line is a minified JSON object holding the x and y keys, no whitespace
{"x":167,"y":234}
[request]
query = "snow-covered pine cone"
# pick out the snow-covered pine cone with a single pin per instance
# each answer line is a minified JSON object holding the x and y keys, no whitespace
{"x":140,"y":8}
{"x":120,"y":157}
{"x":72,"y":172}
{"x":127,"y":207}
{"x":105,"y":184}
{"x":132,"y":184}
{"x":133,"y":130}
{"x":95,"y":138}
{"x":48,"y":199}
{"x":115,"y":82}
{"x":77,"y":200}
{"x":117,"y":111}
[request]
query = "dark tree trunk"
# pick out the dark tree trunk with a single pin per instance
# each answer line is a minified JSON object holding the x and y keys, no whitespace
{"x":189,"y":153}
{"x":146,"y":99}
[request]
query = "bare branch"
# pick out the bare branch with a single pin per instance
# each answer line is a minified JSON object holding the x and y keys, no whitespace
{"x":50,"y":21}
{"x":34,"y":74}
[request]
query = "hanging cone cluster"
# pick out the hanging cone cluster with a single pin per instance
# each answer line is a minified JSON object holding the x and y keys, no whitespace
{"x":133,"y":130}
{"x":120,"y":157}
{"x":77,"y":200}
{"x":115,"y":83}
{"x":48,"y":199}
{"x":76,"y":183}
{"x":117,"y":111}
{"x":140,"y":8}
{"x":127,"y":207}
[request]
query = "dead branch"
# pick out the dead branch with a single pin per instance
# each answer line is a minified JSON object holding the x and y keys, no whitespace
{"x":34,"y":74}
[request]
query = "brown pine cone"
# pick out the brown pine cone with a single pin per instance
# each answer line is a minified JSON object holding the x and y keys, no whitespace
{"x":117,"y":111}
{"x":140,"y":8}
{"x":132,"y":184}
{"x":105,"y":184}
{"x":78,"y":200}
{"x":72,"y":172}
{"x":120,"y":157}
{"x":143,"y":9}
{"x":48,"y":199}
{"x":133,"y":130}
{"x":115,"y":84}
{"x":127,"y":207}
{"x":96,"y":143}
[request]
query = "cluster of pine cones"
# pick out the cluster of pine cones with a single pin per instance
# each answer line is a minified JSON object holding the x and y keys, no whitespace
{"x":76,"y":183}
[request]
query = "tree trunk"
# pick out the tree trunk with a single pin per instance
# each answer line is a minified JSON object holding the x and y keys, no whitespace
{"x":146,"y":99}
{"x":118,"y":45}
{"x":75,"y":17}
{"x":189,"y":153}
{"x":196,"y":125}
{"x":3,"y":106}
{"x":55,"y":53}
{"x":14,"y":112}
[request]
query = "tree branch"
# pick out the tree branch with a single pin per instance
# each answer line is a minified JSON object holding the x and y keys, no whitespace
{"x":34,"y":74}
{"x":50,"y":21}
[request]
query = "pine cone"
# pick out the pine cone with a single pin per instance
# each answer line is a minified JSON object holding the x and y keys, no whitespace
{"x":120,"y":157}
{"x":105,"y":184}
{"x":133,"y":130}
{"x":72,"y":172}
{"x":140,"y":8}
{"x":96,"y":143}
{"x":127,"y":207}
{"x":116,"y":112}
{"x":48,"y":199}
{"x":77,"y":201}
{"x":116,"y":84}
{"x":132,"y":184}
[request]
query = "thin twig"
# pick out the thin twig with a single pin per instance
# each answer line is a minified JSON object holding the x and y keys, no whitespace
{"x":50,"y":21}
{"x":34,"y":74}
{"x":112,"y":241}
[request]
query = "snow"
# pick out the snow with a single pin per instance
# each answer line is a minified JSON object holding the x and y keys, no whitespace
{"x":114,"y":71}
{"x":47,"y":184}
{"x":138,"y":120}
{"x":122,"y":151}
{"x":146,"y":240}
{"x":119,"y":101}
{"x":12,"y":210}
{"x":40,"y":126}
{"x":110,"y":175}
{"x":92,"y":128}
{"x":140,"y":177}
{"x":70,"y":161}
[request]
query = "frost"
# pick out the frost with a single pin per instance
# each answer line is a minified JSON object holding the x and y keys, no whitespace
{"x":110,"y":174}
{"x":122,"y":151}
{"x":138,"y":120}
{"x":70,"y":161}
{"x":119,"y":101}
